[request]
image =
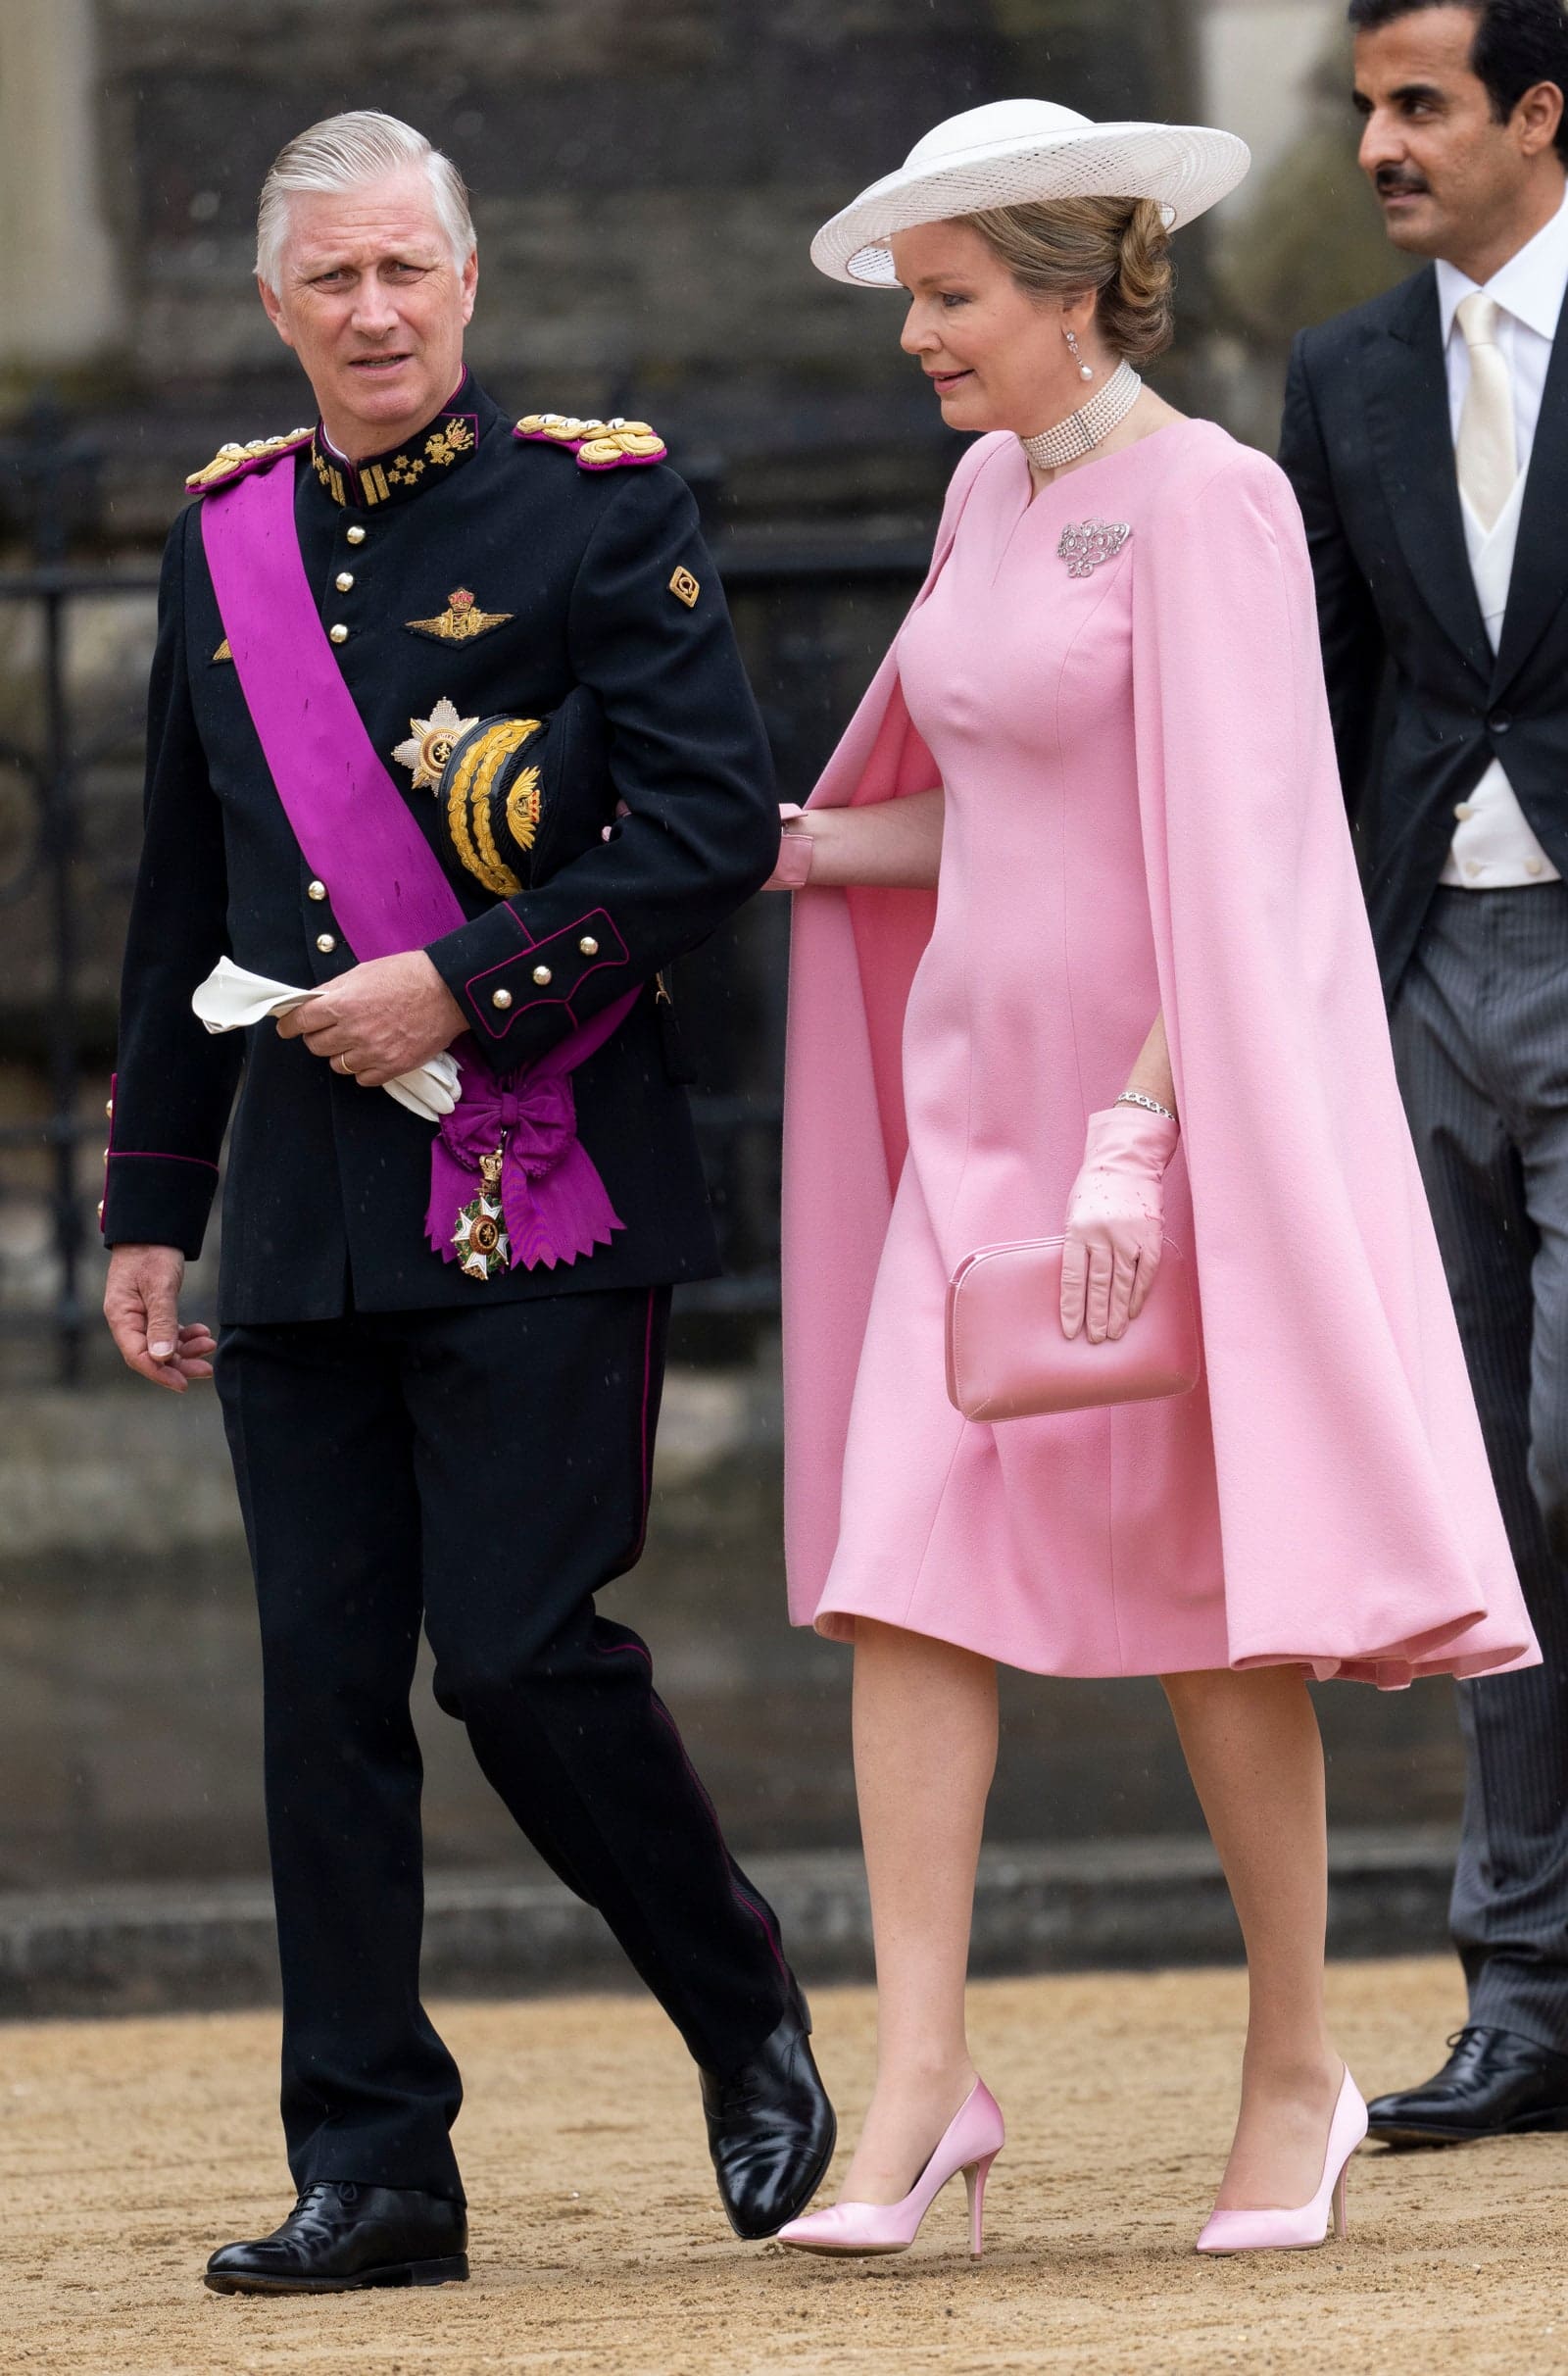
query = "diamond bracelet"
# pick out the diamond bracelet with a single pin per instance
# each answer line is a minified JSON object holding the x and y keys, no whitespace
{"x":1151,"y":1104}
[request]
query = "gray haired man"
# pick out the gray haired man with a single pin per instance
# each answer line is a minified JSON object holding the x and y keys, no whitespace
{"x":441,"y":1348}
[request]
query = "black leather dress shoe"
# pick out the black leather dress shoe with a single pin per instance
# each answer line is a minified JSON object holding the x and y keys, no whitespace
{"x":770,"y":2128}
{"x":1494,"y":2084}
{"x":340,"y":2237}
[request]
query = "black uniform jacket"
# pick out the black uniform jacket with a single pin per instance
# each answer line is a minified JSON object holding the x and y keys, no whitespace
{"x":1421,"y":705}
{"x":498,"y":576}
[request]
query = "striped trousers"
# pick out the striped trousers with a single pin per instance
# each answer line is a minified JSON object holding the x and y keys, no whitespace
{"x":1481,"y":1040}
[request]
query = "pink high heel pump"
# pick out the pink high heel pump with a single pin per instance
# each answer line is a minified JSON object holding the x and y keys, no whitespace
{"x":971,"y":2141}
{"x":1299,"y":2231}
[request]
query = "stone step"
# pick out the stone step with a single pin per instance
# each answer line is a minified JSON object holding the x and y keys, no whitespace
{"x":138,"y":1948}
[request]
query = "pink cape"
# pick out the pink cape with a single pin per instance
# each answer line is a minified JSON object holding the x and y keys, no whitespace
{"x":1361,"y":1533}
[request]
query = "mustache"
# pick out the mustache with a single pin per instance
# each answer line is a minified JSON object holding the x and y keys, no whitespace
{"x":1391,"y":182}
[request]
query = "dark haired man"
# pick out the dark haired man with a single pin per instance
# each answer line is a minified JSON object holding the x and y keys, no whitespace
{"x":1427,"y":437}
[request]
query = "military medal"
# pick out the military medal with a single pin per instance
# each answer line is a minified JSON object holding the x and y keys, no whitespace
{"x":431,"y":744}
{"x":484,"y":1250}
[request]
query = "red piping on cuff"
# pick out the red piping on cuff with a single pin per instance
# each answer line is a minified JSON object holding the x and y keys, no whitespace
{"x":109,"y":1148}
{"x":151,"y":1155}
{"x":498,"y":1024}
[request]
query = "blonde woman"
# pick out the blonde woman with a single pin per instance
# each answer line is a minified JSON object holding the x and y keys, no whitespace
{"x":1141,"y":1003}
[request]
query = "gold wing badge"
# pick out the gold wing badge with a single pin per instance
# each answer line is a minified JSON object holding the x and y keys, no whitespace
{"x":462,"y":620}
{"x":431,"y":743}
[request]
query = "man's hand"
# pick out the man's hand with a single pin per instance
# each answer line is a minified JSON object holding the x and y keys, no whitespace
{"x":380,"y":1019}
{"x":141,"y":1304}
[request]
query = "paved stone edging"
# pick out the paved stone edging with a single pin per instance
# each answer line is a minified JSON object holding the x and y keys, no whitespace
{"x":101,"y":1472}
{"x":152,"y":1947}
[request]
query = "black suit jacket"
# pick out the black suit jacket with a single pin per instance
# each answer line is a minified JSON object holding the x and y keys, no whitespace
{"x":1421,"y":706}
{"x":571,"y":571}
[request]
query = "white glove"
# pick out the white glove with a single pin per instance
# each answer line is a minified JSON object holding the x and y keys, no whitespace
{"x":230,"y":998}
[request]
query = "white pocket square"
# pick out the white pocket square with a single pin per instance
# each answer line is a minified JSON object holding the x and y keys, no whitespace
{"x":230,"y":998}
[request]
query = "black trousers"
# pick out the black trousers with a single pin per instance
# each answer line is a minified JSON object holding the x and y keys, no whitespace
{"x":482,"y":1473}
{"x":1480,"y":1037}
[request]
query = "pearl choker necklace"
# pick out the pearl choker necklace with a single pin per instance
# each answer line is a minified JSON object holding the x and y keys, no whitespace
{"x":1079,"y":435}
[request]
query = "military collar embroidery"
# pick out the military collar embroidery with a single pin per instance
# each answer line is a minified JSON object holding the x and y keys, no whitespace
{"x":405,"y":469}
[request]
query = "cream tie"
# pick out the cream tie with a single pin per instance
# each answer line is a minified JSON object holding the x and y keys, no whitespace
{"x":1488,"y":455}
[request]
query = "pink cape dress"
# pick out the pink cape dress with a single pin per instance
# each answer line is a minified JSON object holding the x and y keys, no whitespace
{"x":1143,"y":812}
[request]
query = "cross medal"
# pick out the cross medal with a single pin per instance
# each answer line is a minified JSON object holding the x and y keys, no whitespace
{"x":484,"y":1250}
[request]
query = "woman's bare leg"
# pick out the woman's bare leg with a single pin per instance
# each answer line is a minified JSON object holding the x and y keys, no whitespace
{"x":1256,"y":1757}
{"x":925,"y":1749}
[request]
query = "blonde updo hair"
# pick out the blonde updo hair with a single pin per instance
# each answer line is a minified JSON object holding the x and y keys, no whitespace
{"x":1118,"y":247}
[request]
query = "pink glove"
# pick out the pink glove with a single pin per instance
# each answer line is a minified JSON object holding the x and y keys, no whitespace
{"x":1115,"y":1213}
{"x":794,"y":869}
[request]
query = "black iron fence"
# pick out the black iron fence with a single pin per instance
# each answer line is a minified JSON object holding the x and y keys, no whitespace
{"x":813,"y":618}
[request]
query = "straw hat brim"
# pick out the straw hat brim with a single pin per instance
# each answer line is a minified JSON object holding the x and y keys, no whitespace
{"x":1185,"y":167}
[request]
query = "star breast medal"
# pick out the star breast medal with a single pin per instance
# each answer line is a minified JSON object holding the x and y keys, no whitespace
{"x":431,"y":743}
{"x":484,"y":1250}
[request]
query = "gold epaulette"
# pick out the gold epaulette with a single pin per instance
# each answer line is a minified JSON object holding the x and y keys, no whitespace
{"x":231,"y":460}
{"x":599,"y":445}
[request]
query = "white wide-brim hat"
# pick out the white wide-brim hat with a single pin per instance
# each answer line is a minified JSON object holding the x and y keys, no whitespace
{"x":1023,"y":152}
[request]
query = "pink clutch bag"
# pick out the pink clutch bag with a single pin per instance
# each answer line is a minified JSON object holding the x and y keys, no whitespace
{"x":1008,"y":1359}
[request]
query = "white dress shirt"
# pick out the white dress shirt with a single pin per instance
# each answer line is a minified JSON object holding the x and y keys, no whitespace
{"x":1493,"y":848}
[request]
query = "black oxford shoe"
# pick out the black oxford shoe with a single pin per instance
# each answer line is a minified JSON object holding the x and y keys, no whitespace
{"x":770,"y":2128}
{"x":340,"y":2237}
{"x":1494,"y":2084}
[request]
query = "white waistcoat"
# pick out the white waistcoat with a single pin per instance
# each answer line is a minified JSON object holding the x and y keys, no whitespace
{"x":1493,"y":848}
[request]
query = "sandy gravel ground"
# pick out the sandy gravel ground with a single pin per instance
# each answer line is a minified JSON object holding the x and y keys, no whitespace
{"x":131,"y":2149}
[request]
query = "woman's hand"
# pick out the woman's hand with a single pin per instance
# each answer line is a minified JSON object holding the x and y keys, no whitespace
{"x":895,"y":845}
{"x":1115,"y":1221}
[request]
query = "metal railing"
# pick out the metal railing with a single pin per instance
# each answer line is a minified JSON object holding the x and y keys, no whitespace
{"x":813,"y":621}
{"x":48,"y":873}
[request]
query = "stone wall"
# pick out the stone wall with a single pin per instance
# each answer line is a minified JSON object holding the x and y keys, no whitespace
{"x":61,"y":299}
{"x":647,"y":174}
{"x":130,"y":1741}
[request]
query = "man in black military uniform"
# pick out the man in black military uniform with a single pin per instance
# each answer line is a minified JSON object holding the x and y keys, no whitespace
{"x":413,"y":1445}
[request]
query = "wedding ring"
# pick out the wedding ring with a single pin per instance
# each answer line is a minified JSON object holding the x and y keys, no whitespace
{"x":344,"y":1067}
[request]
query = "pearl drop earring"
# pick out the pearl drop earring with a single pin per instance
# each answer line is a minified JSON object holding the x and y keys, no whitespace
{"x":1086,"y":371}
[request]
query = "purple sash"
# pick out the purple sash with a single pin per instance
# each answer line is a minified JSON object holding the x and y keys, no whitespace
{"x":389,"y":893}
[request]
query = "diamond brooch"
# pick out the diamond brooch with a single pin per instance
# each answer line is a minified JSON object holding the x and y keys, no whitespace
{"x":1085,"y":546}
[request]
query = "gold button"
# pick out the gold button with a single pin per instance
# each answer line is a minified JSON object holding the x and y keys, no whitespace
{"x":315,"y":890}
{"x":109,"y":1109}
{"x":325,"y":943}
{"x":355,"y":535}
{"x":542,"y":975}
{"x":1471,"y":867}
{"x":501,"y":999}
{"x":338,"y":635}
{"x":100,"y":1213}
{"x":1463,"y":811}
{"x":588,"y":945}
{"x":1532,"y":866}
{"x":344,"y":582}
{"x":106,"y":1155}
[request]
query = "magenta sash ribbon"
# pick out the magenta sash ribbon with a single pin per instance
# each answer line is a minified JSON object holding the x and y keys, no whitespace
{"x":388,"y":891}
